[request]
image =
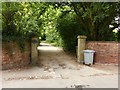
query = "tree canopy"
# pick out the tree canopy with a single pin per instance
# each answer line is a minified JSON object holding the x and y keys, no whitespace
{"x":59,"y":23}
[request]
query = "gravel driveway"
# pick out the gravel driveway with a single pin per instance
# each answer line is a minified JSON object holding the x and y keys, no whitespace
{"x":57,"y":69}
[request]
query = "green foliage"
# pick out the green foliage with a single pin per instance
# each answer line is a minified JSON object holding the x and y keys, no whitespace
{"x":69,"y":29}
{"x":20,"y":39}
{"x":49,"y":30}
{"x":58,"y":23}
{"x":95,"y":19}
{"x":21,"y":21}
{"x":28,"y":18}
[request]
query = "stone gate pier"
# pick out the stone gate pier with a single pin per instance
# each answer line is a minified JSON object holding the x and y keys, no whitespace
{"x":80,"y":48}
{"x":34,"y":51}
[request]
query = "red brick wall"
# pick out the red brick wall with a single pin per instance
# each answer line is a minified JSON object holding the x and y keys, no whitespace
{"x":0,"y":55}
{"x":106,"y":52}
{"x":13,"y":57}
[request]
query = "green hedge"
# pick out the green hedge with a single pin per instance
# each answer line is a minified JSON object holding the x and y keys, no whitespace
{"x":69,"y":29}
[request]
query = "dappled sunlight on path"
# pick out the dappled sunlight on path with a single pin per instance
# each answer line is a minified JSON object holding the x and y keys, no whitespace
{"x":48,"y":47}
{"x":55,"y":56}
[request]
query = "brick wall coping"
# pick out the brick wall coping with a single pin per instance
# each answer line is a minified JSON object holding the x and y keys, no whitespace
{"x":104,"y":41}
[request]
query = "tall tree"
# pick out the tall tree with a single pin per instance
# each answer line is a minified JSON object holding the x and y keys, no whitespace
{"x":95,"y":18}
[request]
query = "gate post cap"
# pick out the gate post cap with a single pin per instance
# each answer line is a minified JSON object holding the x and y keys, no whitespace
{"x":82,"y":37}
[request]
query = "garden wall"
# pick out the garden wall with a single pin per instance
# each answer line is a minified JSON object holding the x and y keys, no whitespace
{"x":0,"y":55}
{"x":106,"y":52}
{"x":13,"y":57}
